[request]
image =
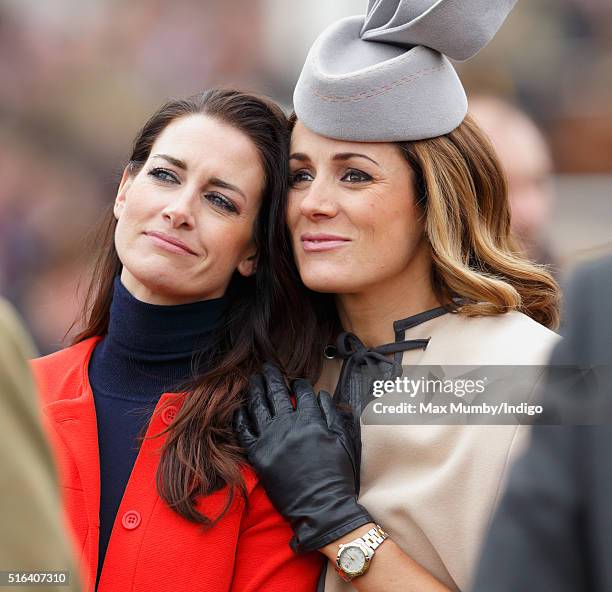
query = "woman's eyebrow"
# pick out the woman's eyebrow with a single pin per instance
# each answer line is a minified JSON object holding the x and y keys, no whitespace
{"x":216,"y":182}
{"x":175,"y":161}
{"x":347,"y":155}
{"x":338,"y":157}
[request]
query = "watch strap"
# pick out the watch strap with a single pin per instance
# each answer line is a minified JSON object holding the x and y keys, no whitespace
{"x":374,"y":537}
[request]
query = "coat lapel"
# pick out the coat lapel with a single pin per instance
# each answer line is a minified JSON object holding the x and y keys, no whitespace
{"x":71,"y":422}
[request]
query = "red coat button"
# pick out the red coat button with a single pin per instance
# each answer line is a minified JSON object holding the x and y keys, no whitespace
{"x":131,"y":519}
{"x":168,"y":414}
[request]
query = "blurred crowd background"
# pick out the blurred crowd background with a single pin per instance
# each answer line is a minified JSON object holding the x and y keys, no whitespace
{"x":79,"y":77}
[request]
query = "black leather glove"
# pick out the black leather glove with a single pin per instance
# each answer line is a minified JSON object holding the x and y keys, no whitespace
{"x":306,"y":458}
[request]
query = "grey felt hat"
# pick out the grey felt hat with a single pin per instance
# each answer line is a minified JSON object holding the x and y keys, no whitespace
{"x":386,"y":77}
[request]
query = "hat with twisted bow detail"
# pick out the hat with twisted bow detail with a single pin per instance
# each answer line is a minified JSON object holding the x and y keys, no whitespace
{"x":386,"y":77}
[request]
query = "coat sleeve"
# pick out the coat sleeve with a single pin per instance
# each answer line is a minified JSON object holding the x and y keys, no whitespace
{"x":32,"y":536}
{"x":541,"y":537}
{"x":264,"y":560}
{"x":532,"y":544}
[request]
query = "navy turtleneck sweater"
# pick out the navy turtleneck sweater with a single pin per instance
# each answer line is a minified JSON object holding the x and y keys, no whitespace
{"x":147,"y":351}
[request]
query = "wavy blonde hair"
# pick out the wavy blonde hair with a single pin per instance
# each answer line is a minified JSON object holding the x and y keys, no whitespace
{"x":467,"y":221}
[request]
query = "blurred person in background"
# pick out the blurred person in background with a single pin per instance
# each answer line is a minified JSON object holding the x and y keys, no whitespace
{"x":527,"y":163}
{"x":553,"y":528}
{"x":42,"y":236}
{"x":139,"y":408}
{"x":400,"y":228}
{"x":32,"y":537}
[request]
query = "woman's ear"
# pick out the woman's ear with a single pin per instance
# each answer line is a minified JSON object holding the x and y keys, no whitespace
{"x":248,"y":266}
{"x":126,"y":181}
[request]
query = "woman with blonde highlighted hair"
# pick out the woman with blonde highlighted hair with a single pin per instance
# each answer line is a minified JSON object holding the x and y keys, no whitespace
{"x":400,"y":228}
{"x":467,"y":225}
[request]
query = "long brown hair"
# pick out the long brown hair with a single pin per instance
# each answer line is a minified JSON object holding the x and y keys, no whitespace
{"x":200,"y":454}
{"x":467,"y":222}
{"x":464,"y":199}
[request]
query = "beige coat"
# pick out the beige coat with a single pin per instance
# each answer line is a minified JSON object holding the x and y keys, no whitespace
{"x":32,"y":536}
{"x":434,"y":487}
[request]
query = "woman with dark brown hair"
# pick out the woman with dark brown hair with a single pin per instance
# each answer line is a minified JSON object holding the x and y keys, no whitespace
{"x":400,"y":228}
{"x":177,"y":317}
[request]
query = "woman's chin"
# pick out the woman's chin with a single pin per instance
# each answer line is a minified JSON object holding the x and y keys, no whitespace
{"x":154,"y":283}
{"x":329,"y":282}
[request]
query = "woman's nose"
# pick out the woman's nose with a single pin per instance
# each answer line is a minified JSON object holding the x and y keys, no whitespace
{"x":318,"y":201}
{"x":180,"y":211}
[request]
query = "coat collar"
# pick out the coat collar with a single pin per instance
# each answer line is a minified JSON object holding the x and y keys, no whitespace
{"x":361,"y":364}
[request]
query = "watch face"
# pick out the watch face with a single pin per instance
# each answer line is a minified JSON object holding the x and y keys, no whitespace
{"x":352,"y":560}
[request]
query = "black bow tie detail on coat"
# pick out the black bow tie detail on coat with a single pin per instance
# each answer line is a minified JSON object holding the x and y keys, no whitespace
{"x":362,"y":365}
{"x":367,"y":364}
{"x":351,"y":348}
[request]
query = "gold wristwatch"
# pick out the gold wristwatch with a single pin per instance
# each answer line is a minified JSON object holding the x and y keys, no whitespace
{"x":354,"y":558}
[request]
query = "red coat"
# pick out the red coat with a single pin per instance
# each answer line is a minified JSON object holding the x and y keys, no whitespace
{"x":151,"y":548}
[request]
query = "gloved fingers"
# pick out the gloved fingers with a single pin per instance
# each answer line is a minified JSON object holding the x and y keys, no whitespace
{"x":306,"y":399}
{"x":277,"y":391}
{"x":243,"y":428}
{"x":346,"y":427}
{"x":326,"y":403}
{"x":257,"y":405}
